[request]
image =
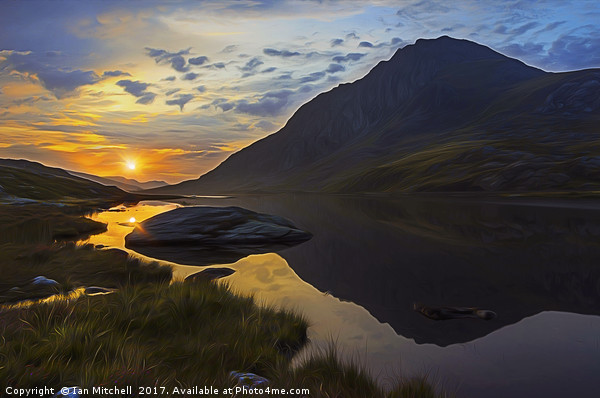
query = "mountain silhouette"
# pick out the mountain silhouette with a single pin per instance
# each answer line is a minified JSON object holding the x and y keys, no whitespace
{"x":441,"y":115}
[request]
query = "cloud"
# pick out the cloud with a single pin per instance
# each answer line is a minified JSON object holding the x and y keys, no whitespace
{"x":61,"y":82}
{"x":551,"y":26}
{"x":280,"y":53}
{"x":190,"y":76}
{"x":269,"y":70}
{"x":169,"y":78}
{"x":138,"y":89}
{"x":312,"y":77}
{"x":335,"y":68}
{"x":216,"y":65}
{"x":181,"y":100}
{"x":336,"y":42}
{"x":575,"y":52}
{"x":423,"y":9}
{"x":265,"y":125}
{"x":201,"y":89}
{"x":229,"y":49}
{"x":171,"y":92}
{"x":249,"y":68}
{"x":353,"y":36}
{"x":365,"y":44}
{"x":198,"y":60}
{"x":348,"y":57}
{"x":115,"y":73}
{"x":521,"y":50}
{"x":270,"y":104}
{"x":175,"y":59}
{"x":524,"y":28}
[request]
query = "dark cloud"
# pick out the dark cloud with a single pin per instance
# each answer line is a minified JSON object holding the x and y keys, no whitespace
{"x":198,"y":60}
{"x":138,"y":89}
{"x":221,"y":103}
{"x":524,"y":28}
{"x":269,"y":70}
{"x":114,"y":73}
{"x":280,"y":53}
{"x":312,"y":77}
{"x":501,"y":29}
{"x":61,"y":82}
{"x":249,"y":68}
{"x":365,"y":44}
{"x":575,"y":52}
{"x":190,"y":76}
{"x":175,"y":59}
{"x":284,"y":76}
{"x":217,"y":65}
{"x":201,"y":89}
{"x":171,"y":92}
{"x":352,"y":36}
{"x":336,"y":42}
{"x":348,"y":57}
{"x":551,"y":26}
{"x":181,"y":100}
{"x":169,"y":78}
{"x":270,"y":104}
{"x":146,"y":99}
{"x":335,"y":68}
{"x":521,"y":50}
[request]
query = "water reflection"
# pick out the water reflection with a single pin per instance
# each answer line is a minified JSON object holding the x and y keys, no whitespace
{"x":535,"y":266}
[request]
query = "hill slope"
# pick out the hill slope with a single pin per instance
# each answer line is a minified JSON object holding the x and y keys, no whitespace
{"x":440,"y":115}
{"x":34,"y":181}
{"x":126,"y":184}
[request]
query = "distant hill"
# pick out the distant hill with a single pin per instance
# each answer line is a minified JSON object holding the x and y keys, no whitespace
{"x":440,"y":115}
{"x":126,"y":184}
{"x":34,"y":181}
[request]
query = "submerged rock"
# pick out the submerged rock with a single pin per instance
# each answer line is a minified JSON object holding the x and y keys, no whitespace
{"x":210,"y":274}
{"x":210,"y":235}
{"x":445,"y":313}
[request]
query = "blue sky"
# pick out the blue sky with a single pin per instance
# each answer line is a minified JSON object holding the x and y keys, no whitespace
{"x":177,"y":86}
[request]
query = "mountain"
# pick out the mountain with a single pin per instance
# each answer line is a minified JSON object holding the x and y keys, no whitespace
{"x":34,"y":181}
{"x":126,"y":184}
{"x":440,"y":115}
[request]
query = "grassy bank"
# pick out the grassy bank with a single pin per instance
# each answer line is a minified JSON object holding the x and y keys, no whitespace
{"x":149,"y":332}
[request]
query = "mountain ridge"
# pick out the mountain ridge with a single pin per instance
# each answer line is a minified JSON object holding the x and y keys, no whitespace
{"x":440,"y":97}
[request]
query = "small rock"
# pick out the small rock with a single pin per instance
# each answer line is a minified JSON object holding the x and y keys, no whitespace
{"x":42,"y":280}
{"x":210,"y":274}
{"x":249,"y":380}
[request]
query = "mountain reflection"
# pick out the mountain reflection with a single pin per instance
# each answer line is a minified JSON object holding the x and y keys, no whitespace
{"x":514,"y":258}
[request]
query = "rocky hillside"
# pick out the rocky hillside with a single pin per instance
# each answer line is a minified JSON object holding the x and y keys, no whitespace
{"x":440,"y":115}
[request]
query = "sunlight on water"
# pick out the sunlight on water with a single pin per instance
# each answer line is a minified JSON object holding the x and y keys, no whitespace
{"x":509,"y":353}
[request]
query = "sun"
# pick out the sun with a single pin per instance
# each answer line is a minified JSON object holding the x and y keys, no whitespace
{"x":130,"y":165}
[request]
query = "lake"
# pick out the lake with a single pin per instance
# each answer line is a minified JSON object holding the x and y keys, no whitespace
{"x":534,"y":262}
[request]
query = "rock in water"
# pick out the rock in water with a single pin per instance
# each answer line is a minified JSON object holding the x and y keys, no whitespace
{"x":205,"y":235}
{"x":445,"y":313}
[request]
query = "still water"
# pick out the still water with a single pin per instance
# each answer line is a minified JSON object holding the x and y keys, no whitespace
{"x":536,"y":264}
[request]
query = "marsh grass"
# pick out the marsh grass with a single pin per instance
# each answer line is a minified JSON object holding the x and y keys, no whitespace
{"x":183,"y":334}
{"x":150,"y":332}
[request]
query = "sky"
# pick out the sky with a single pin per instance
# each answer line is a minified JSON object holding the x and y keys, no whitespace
{"x":176,"y":87}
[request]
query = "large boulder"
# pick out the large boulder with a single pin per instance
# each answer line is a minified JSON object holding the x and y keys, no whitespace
{"x":209,"y":235}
